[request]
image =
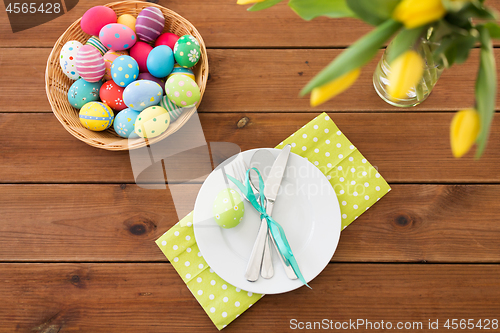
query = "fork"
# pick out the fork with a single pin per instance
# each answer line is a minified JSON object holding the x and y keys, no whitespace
{"x":239,"y":169}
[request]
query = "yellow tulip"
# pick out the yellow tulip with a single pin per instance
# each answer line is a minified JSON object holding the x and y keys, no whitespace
{"x":406,"y":72}
{"x":247,"y":2}
{"x":321,"y":94}
{"x":464,"y":130}
{"x":415,"y":13}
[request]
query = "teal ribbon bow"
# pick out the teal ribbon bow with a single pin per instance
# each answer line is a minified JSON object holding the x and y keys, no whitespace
{"x":277,"y":231}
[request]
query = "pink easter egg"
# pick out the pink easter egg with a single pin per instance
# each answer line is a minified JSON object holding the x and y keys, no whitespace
{"x":140,"y":52}
{"x":117,"y":36}
{"x":109,"y":57}
{"x":168,"y":39}
{"x":96,"y":18}
{"x":90,"y":64}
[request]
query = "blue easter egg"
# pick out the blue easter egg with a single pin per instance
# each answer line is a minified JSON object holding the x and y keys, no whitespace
{"x":124,"y":70}
{"x":124,"y":124}
{"x":160,"y":61}
{"x":81,"y":92}
{"x":142,"y":94}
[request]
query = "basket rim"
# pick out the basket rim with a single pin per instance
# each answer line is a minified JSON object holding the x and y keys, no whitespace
{"x":130,"y":143}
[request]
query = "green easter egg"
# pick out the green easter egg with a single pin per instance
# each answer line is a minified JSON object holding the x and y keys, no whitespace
{"x":228,"y":208}
{"x":182,"y":90}
{"x":187,"y":51}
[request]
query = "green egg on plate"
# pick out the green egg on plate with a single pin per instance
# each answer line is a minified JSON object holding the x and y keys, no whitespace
{"x":228,"y":208}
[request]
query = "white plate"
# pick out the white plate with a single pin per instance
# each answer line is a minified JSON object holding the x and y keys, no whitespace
{"x":307,"y":209}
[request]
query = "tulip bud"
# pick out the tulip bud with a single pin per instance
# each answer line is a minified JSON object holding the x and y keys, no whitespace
{"x":247,"y":2}
{"x":322,"y":94}
{"x":406,"y":72}
{"x":464,"y":130}
{"x":415,"y":13}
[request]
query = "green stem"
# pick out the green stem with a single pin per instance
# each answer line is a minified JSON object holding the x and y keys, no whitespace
{"x":419,"y":90}
{"x":431,"y":66}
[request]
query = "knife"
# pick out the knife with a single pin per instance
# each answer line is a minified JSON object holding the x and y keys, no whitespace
{"x":271,"y":188}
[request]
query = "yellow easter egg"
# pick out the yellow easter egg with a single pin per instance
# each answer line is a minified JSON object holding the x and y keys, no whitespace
{"x":96,"y":116}
{"x":152,"y":122}
{"x":127,"y":20}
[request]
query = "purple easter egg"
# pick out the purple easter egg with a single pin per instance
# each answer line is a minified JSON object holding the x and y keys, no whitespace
{"x":147,"y":76}
{"x":150,"y":23}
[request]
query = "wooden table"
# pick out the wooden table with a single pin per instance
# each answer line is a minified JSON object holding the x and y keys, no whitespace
{"x":77,"y":249}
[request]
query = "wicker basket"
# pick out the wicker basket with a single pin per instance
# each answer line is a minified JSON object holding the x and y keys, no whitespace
{"x":57,"y":84}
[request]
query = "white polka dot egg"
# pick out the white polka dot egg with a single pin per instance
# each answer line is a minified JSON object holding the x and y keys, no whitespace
{"x":67,"y":59}
{"x":228,"y":208}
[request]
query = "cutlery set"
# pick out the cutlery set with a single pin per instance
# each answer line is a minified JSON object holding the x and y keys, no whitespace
{"x":260,"y":262}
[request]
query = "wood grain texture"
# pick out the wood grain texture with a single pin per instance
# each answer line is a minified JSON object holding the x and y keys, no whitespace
{"x":413,"y":223}
{"x":152,"y":298}
{"x":251,"y":80}
{"x":405,"y":147}
{"x":221,"y":23}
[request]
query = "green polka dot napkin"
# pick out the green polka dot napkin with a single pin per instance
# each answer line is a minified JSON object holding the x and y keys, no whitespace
{"x":356,"y":182}
{"x":358,"y":186}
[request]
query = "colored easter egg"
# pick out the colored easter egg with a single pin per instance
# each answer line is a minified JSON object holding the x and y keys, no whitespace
{"x":187,"y":51}
{"x":95,"y":42}
{"x":152,"y":122}
{"x":109,"y":57}
{"x":67,"y":59}
{"x":90,"y":64}
{"x":96,"y":116}
{"x":178,"y":69}
{"x":140,"y":52}
{"x":228,"y":208}
{"x":81,"y":92}
{"x":174,"y":110}
{"x":160,"y":61}
{"x":124,"y":70}
{"x":168,"y":39}
{"x":111,"y":94}
{"x":117,"y":37}
{"x":182,"y":90}
{"x":124,"y":123}
{"x":141,"y":94}
{"x":95,"y":18}
{"x":127,"y":20}
{"x":150,"y":23}
{"x":147,"y":76}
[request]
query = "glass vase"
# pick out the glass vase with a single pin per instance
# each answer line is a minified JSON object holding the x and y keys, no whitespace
{"x":423,"y":89}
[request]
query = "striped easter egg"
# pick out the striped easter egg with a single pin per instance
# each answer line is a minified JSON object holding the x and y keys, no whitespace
{"x":95,"y":42}
{"x":174,"y":110}
{"x":96,"y":116}
{"x":150,"y":23}
{"x":90,"y":64}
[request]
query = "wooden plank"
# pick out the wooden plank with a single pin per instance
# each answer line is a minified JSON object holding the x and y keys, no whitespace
{"x":251,"y":80}
{"x":405,"y":147}
{"x":413,"y":223}
{"x":221,"y":23}
{"x":152,"y":298}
